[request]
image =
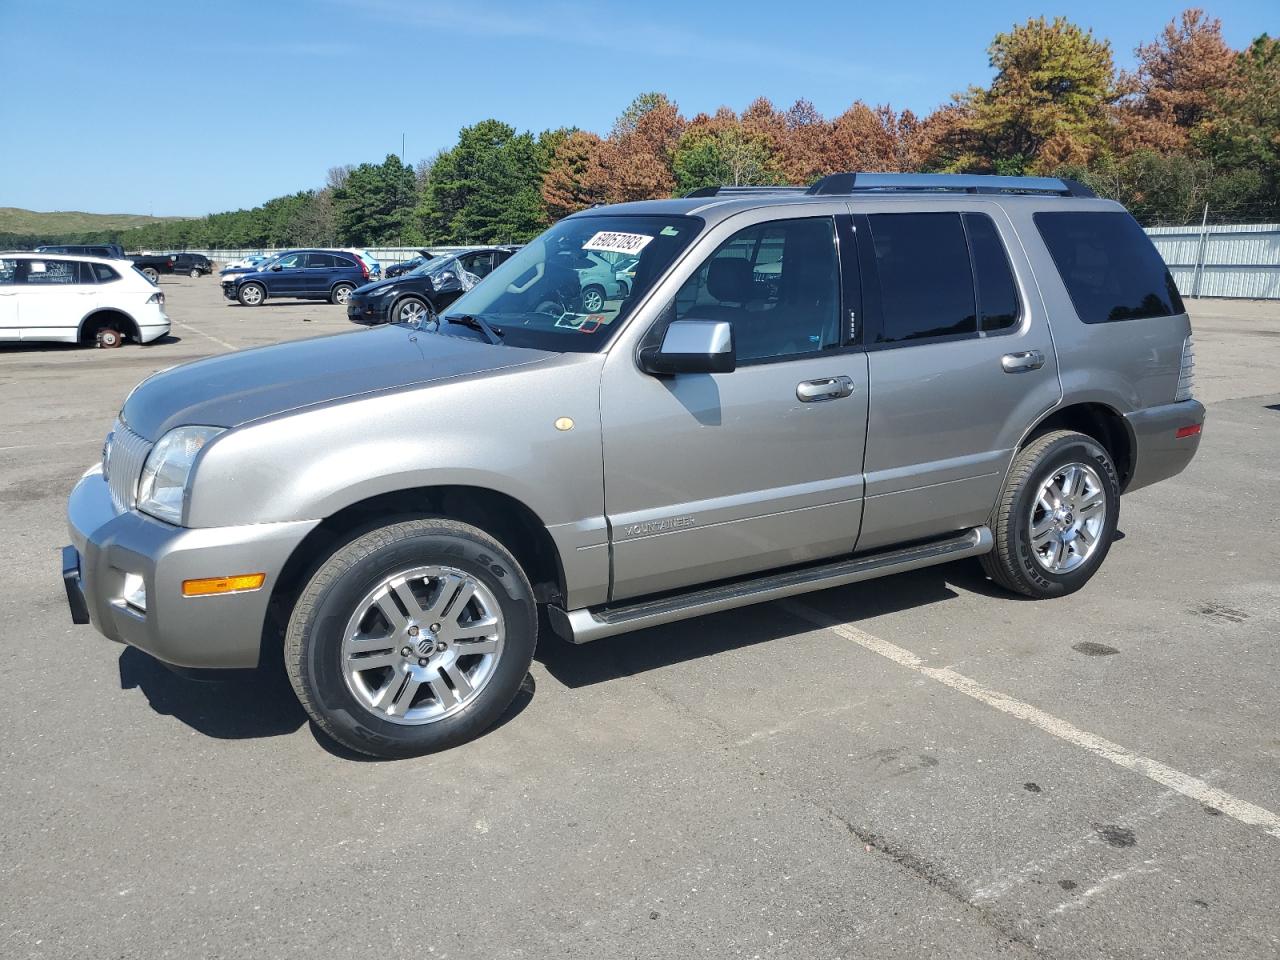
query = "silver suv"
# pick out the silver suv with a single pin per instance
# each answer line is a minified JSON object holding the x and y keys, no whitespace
{"x":799,"y":389}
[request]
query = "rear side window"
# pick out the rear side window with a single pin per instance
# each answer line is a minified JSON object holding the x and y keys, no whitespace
{"x":997,"y":295}
{"x":102,"y":273}
{"x":1109,"y":266}
{"x":326,"y":260}
{"x":926,"y":285}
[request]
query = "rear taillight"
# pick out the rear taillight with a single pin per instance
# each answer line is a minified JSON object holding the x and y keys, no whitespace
{"x":156,"y":297}
{"x":1187,"y":372}
{"x":364,"y":268}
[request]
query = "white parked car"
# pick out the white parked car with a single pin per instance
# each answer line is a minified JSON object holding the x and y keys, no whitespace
{"x":73,"y":299}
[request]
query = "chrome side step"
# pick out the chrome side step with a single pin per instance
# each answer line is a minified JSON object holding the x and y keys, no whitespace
{"x":587,"y":624}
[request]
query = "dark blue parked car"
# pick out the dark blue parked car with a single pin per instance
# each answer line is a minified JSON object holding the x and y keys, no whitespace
{"x":299,"y":275}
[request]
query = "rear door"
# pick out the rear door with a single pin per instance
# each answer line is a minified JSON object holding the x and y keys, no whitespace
{"x":961,"y":361}
{"x":8,"y":299}
{"x":319,"y":274}
{"x":52,"y":298}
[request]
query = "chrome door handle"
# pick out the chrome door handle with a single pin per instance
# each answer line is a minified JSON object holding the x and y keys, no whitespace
{"x":1021,"y":362}
{"x":831,"y":388}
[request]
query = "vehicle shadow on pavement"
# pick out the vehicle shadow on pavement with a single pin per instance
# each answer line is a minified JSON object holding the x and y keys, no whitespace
{"x":621,"y":656}
{"x":239,"y":705}
{"x":248,"y":704}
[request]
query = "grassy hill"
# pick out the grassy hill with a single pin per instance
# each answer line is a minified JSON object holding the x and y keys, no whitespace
{"x":64,"y":222}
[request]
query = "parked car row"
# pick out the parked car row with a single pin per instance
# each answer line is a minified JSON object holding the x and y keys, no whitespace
{"x":152,"y":265}
{"x":78,"y":299}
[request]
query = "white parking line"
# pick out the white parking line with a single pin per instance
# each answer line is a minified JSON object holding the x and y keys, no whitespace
{"x":209,"y":336}
{"x":1161,"y":773}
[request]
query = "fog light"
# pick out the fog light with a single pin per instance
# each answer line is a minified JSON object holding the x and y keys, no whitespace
{"x":209,"y":586}
{"x":135,"y":592}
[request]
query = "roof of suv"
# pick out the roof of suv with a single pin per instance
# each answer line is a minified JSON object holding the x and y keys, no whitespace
{"x":716,"y":204}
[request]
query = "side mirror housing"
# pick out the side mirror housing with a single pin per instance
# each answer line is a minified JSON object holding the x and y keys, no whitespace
{"x":277,"y":268}
{"x":692,"y":346}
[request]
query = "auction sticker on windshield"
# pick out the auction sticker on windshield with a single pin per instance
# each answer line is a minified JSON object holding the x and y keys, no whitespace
{"x":611,"y":242}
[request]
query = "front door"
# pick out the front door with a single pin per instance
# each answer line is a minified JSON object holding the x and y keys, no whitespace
{"x":961,"y":361}
{"x":287,"y":276}
{"x":710,"y":476}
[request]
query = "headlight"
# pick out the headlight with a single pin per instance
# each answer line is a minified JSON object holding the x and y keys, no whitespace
{"x":163,"y":485}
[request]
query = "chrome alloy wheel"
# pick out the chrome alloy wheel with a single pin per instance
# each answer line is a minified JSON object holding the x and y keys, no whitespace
{"x":412,"y":311}
{"x":422,"y":644}
{"x":251,"y":294}
{"x":1067,"y":517}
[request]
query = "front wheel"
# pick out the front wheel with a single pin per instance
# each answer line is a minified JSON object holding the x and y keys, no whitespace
{"x":412,"y":638}
{"x":251,"y":294}
{"x":593,"y":299}
{"x":341,"y":293}
{"x":411,"y":310}
{"x":1056,"y":516}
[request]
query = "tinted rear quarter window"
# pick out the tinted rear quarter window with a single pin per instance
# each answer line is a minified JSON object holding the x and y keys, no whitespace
{"x":997,"y":295}
{"x":926,"y":284}
{"x":1109,"y":266}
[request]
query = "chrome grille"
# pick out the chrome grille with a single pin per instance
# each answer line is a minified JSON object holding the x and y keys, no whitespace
{"x":126,"y":452}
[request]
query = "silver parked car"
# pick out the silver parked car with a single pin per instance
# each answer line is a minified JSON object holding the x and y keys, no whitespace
{"x":803,"y":389}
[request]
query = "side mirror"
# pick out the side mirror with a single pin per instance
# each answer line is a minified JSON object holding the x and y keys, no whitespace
{"x":277,"y":268}
{"x":692,"y":346}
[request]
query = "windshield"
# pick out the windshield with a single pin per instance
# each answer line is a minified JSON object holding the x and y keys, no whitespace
{"x":561,"y":292}
{"x":435,"y":266}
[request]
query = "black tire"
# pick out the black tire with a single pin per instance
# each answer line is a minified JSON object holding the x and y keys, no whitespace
{"x":593,"y":294}
{"x":1012,"y":562}
{"x":255,"y":296}
{"x":393,"y":315}
{"x":340,"y":292}
{"x":194,"y":272}
{"x":312,"y":647}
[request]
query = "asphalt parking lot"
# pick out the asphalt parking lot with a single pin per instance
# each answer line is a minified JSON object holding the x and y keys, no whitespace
{"x":920,"y":765}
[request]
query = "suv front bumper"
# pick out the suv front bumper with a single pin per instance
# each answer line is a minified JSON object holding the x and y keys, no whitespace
{"x":111,"y":550}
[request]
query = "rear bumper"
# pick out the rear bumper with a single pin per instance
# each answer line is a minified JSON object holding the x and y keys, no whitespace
{"x":1159,"y":453}
{"x":109,"y":548}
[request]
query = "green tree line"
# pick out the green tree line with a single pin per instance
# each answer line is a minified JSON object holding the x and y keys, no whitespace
{"x":1195,"y":122}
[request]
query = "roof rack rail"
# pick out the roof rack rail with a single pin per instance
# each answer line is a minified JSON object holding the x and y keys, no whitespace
{"x":847,"y":183}
{"x":741,"y":191}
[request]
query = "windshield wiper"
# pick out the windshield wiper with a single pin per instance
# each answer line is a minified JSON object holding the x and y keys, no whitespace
{"x":476,"y":322}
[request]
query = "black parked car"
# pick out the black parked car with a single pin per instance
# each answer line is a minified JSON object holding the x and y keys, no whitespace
{"x":112,"y":251}
{"x":192,"y":264}
{"x":425,"y":290}
{"x":400,"y":269}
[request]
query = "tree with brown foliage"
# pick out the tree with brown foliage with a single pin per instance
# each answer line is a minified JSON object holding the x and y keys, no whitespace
{"x":1179,"y":79}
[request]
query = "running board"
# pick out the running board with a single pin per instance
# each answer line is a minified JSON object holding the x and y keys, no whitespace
{"x":587,"y":624}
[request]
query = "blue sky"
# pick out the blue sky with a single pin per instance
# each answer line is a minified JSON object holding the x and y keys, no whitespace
{"x":189,"y":108}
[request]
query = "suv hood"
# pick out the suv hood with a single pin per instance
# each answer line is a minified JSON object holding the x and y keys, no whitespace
{"x":236,"y":388}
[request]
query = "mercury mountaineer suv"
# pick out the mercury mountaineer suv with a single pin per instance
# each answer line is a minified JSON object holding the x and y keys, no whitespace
{"x":801,"y":389}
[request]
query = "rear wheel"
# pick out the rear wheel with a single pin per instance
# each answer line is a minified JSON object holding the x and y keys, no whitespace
{"x":109,"y":338}
{"x":152,"y":274}
{"x":194,"y":272}
{"x":340,"y":293}
{"x":1056,"y":517}
{"x":251,"y":294}
{"x":412,"y":638}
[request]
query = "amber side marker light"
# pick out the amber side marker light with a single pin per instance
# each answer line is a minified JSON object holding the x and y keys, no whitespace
{"x":209,"y":586}
{"x":1190,"y":431}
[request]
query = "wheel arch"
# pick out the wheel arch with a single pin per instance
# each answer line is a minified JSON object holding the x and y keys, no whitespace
{"x":511,"y":522}
{"x":99,"y":317}
{"x":1100,"y":421}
